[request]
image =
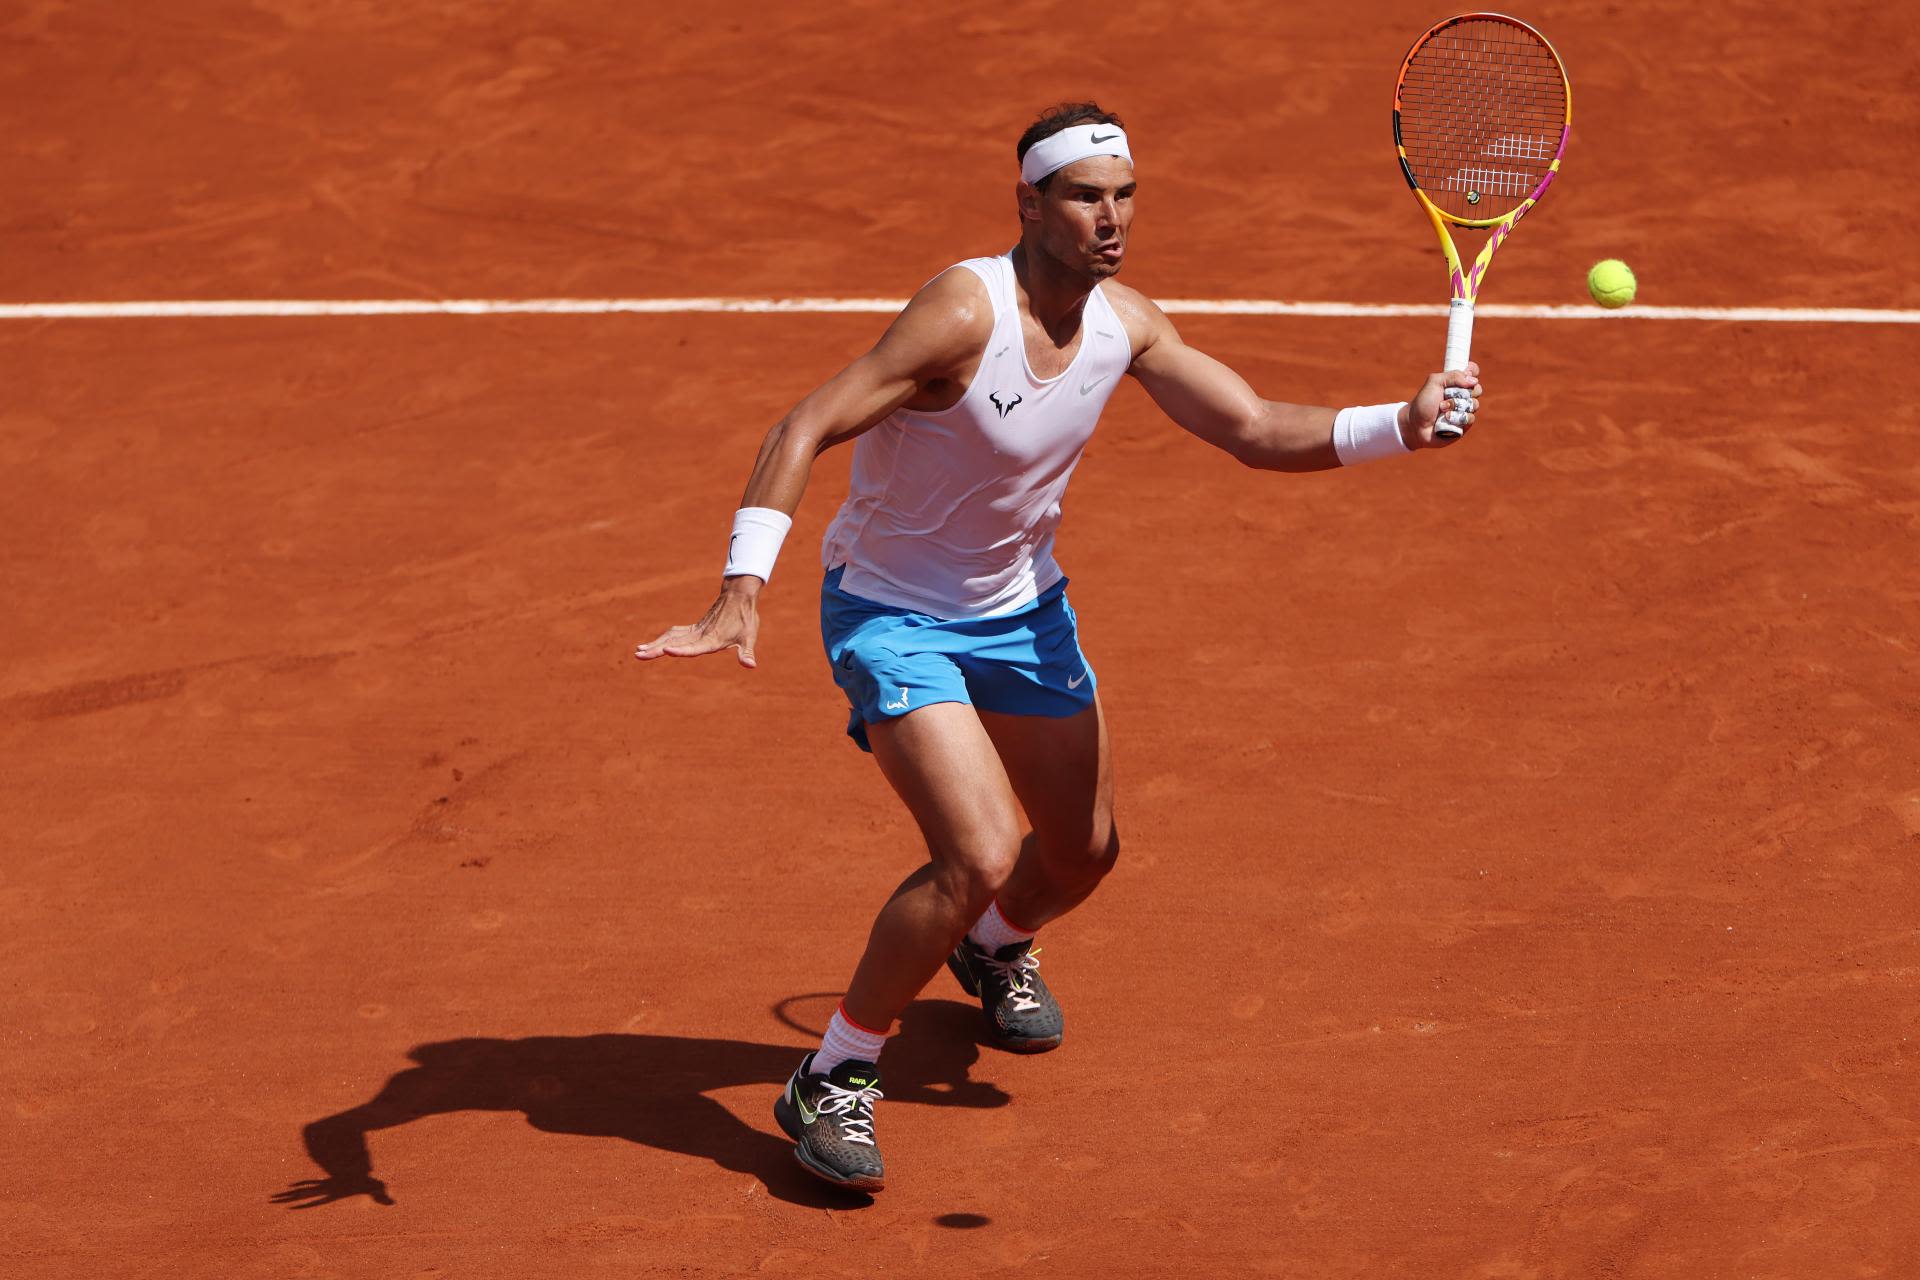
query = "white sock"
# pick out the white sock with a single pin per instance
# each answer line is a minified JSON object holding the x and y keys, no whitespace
{"x":846,"y":1041}
{"x":992,"y":931}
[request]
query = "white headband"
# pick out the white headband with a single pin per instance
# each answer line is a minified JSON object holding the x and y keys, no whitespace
{"x":1052,"y":154}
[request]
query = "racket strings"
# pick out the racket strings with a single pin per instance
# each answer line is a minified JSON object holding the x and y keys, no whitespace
{"x":1483,"y":109}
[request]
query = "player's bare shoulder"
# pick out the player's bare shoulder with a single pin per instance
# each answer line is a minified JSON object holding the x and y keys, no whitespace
{"x":958,"y":294}
{"x":1146,"y":323}
{"x":945,"y":325}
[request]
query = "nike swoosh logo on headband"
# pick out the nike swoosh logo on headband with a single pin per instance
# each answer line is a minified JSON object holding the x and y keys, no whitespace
{"x":1094,"y":137}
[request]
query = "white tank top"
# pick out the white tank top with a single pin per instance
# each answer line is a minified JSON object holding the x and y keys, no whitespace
{"x":953,"y":513}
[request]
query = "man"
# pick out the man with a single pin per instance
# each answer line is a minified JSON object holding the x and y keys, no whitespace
{"x":943,"y":611}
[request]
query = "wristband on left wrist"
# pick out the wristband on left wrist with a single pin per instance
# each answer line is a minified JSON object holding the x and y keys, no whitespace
{"x":1364,"y":433}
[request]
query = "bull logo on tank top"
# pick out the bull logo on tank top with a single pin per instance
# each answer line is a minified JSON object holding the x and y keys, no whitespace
{"x":1006,"y":408}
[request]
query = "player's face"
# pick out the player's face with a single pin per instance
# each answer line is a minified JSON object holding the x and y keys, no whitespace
{"x":1085,"y":214}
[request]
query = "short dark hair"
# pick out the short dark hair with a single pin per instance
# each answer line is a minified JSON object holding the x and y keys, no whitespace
{"x":1064,"y":116}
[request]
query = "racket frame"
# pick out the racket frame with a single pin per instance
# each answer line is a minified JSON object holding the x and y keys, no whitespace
{"x":1465,"y":283}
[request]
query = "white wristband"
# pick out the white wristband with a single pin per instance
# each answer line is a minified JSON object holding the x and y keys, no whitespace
{"x":755,"y":545}
{"x":1366,"y":432}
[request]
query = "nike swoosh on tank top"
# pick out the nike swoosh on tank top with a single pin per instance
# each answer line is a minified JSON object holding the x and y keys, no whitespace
{"x":954,"y":513}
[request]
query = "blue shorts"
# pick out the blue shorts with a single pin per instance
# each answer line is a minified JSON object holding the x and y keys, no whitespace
{"x":889,"y":661}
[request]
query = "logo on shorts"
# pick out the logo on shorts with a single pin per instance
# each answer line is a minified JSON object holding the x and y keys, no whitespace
{"x":901,"y":705}
{"x":846,"y":660}
{"x":1006,"y":408}
{"x":1076,"y":683}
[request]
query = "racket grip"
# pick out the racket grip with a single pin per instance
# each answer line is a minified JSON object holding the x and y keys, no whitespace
{"x":1459,"y":343}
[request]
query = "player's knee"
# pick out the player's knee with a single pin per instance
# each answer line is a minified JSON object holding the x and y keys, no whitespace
{"x":979,"y":863}
{"x":972,"y":888}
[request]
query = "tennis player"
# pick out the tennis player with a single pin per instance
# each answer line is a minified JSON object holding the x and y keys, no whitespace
{"x":945,"y":614}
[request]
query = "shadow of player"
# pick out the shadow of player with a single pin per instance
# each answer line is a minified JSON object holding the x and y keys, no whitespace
{"x":641,"y":1088}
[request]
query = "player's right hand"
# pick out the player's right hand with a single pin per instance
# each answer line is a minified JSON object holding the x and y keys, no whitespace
{"x":733,"y":622}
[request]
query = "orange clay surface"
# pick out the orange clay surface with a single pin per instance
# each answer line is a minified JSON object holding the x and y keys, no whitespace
{"x":1520,"y":874}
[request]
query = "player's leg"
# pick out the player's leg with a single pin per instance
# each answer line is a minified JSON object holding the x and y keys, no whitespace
{"x":1062,"y":771}
{"x":943,"y":765}
{"x":1037,"y":699}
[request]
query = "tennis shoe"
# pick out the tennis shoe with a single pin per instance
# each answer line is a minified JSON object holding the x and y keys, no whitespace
{"x":1022,"y":1015}
{"x":830,"y":1119}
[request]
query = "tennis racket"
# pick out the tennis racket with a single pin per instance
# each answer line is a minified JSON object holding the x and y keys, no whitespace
{"x":1481,"y":115}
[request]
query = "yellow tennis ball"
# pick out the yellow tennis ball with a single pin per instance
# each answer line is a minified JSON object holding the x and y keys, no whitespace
{"x":1611,"y":283}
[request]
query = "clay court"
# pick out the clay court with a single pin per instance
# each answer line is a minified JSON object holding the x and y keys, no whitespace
{"x":1521,"y":840}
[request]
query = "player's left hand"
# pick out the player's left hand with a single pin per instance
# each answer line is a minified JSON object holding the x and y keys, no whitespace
{"x":1423,"y":412}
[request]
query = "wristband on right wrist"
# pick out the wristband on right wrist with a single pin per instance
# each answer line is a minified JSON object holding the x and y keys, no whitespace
{"x":755,"y":544}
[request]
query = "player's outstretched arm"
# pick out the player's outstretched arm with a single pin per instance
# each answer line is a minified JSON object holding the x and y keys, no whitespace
{"x":940,"y":331}
{"x":1214,"y":403}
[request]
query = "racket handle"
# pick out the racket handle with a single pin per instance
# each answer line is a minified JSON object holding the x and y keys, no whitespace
{"x":1459,"y":343}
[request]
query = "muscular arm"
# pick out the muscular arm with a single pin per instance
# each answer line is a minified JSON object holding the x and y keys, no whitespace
{"x":930,"y":343}
{"x":1214,"y":403}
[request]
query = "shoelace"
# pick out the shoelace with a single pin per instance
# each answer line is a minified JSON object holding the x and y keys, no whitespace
{"x":1018,"y":975}
{"x":835,"y":1101}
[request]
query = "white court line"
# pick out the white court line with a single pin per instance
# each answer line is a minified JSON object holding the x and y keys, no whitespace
{"x":822,"y":306}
